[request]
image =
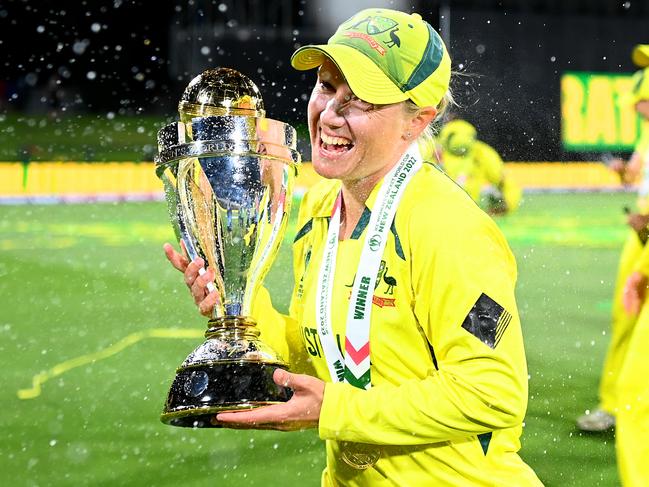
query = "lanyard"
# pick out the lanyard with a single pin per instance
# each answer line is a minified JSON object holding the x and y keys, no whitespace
{"x":354,"y":368}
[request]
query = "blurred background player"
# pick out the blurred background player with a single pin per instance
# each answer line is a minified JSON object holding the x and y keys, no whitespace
{"x":637,"y":169}
{"x":632,"y":435}
{"x":477,"y":168}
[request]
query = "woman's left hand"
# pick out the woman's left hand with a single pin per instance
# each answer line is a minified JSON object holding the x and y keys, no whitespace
{"x":302,"y":411}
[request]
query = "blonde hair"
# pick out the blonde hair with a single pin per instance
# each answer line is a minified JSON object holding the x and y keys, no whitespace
{"x":426,"y":139}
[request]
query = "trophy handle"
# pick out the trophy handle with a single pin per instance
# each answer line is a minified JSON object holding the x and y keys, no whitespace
{"x":272,"y":219}
{"x":169,"y":177}
{"x":197,"y":217}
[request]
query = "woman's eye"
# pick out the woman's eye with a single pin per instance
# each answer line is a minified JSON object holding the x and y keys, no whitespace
{"x":324,"y":86}
{"x":362,"y":105}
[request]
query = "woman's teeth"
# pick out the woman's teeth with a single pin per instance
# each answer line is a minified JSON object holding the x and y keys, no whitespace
{"x":331,"y":140}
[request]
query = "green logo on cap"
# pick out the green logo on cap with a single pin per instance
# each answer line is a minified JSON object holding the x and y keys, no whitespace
{"x":374,"y":26}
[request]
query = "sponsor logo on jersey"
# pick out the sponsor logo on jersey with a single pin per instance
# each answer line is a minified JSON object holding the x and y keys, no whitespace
{"x":313,"y":346}
{"x":384,"y":284}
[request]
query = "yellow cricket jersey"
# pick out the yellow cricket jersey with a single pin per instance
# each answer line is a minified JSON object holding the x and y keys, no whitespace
{"x":448,"y":370}
{"x":449,"y":378}
{"x":642,"y":150}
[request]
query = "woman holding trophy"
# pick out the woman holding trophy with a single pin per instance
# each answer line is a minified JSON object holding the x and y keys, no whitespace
{"x":403,"y":316}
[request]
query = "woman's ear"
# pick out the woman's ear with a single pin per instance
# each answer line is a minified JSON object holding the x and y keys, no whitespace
{"x":420,"y":120}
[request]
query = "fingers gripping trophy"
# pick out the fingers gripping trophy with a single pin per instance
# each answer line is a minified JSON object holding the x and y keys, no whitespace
{"x":228,"y":173}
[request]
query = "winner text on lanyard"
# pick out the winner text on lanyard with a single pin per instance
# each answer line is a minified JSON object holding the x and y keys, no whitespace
{"x":354,"y":368}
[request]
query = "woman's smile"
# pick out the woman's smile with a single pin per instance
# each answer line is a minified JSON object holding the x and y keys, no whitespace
{"x":332,"y":146}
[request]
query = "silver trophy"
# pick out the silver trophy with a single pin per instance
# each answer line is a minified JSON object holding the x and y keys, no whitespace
{"x":228,"y":174}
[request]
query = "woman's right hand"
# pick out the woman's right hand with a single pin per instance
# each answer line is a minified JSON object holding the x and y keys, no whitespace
{"x":196,"y":282}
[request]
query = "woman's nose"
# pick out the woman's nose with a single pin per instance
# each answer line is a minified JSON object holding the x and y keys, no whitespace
{"x":333,"y":111}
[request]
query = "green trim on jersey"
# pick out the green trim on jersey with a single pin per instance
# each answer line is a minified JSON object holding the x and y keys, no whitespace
{"x":306,"y":228}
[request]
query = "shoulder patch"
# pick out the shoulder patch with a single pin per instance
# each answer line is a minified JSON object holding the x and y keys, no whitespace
{"x":487,"y":321}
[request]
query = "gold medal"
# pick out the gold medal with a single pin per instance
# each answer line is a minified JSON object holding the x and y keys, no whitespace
{"x":360,"y":456}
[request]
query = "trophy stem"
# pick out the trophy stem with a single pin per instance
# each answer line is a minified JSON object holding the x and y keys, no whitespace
{"x":233,"y":326}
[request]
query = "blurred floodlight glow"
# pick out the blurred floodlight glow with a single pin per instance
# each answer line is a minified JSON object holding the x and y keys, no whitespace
{"x":331,"y":13}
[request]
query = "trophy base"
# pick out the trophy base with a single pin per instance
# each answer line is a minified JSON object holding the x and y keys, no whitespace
{"x":199,"y":392}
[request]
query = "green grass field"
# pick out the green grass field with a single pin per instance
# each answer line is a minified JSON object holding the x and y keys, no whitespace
{"x":79,"y":278}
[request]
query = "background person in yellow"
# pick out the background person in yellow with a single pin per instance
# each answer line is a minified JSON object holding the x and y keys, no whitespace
{"x":632,"y":435}
{"x":636,"y":170}
{"x":477,"y":168}
{"x":412,"y":336}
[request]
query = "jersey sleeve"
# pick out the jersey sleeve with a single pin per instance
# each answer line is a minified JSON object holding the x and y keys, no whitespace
{"x":280,"y":331}
{"x":463,"y":277}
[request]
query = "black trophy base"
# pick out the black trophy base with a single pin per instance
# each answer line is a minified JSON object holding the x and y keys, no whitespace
{"x":198,"y":393}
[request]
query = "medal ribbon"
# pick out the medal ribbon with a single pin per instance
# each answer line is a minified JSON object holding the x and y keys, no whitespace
{"x":354,"y":368}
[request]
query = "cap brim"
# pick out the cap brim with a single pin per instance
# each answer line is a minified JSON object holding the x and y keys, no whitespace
{"x":640,"y":55}
{"x":365,"y":79}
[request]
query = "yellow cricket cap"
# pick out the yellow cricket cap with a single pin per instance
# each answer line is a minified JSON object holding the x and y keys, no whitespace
{"x":458,"y":137}
{"x":640,"y":55}
{"x":386,"y":56}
